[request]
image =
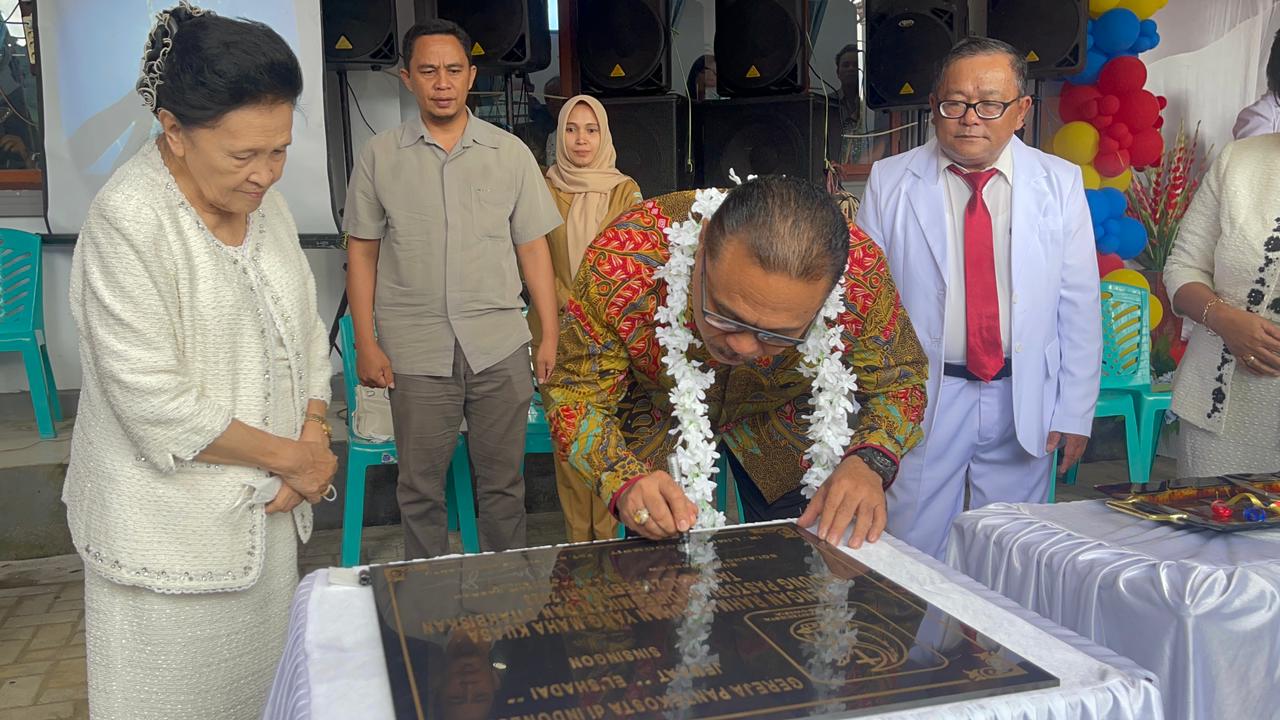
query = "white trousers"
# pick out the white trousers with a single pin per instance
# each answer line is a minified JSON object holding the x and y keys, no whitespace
{"x":972,"y":441}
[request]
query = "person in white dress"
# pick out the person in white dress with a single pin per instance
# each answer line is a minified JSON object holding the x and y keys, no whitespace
{"x":200,"y":440}
{"x":1263,"y":116}
{"x":1223,"y":274}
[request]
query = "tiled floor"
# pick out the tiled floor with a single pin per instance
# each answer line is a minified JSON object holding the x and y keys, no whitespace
{"x":42,"y":666}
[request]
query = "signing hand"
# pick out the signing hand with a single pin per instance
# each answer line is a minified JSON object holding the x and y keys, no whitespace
{"x":853,"y":494}
{"x":1072,"y":449}
{"x":670,"y":512}
{"x":1255,"y":342}
{"x":373,"y":367}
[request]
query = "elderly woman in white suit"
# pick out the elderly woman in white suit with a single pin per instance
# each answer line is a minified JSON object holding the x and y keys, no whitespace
{"x":1223,"y":274}
{"x":201,"y":437}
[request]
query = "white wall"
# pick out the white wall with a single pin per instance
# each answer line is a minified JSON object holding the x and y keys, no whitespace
{"x":386,"y":104}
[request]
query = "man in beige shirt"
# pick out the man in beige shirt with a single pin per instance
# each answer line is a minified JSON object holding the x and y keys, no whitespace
{"x":439,"y":211}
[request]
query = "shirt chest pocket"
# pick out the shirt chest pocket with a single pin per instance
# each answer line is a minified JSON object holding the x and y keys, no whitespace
{"x":491,"y":208}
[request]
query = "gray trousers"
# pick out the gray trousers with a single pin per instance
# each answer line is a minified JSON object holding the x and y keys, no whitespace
{"x":428,"y":412}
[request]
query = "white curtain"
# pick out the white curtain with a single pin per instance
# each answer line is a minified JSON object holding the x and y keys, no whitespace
{"x":1211,"y":62}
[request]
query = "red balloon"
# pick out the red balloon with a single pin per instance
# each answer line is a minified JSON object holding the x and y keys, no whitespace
{"x":1111,"y":164}
{"x":1078,"y":102}
{"x":1122,"y":75}
{"x":1119,"y":134}
{"x":1139,"y":110}
{"x":1109,"y":262}
{"x":1146,"y":149}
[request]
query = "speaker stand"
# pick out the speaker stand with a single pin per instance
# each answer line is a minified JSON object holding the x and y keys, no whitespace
{"x":921,"y":130}
{"x":509,"y":93}
{"x":1036,"y":89}
{"x":344,"y":108}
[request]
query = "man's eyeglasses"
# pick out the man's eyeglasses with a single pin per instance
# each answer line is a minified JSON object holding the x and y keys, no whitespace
{"x":985,"y":109}
{"x":724,"y":324}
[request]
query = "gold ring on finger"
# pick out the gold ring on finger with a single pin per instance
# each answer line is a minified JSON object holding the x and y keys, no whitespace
{"x":641,"y":516}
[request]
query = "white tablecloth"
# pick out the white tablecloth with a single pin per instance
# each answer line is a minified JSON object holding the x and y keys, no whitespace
{"x":333,"y":664}
{"x":1198,"y":608}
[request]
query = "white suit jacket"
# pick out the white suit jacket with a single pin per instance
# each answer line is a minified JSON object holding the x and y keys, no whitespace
{"x":1055,"y":318}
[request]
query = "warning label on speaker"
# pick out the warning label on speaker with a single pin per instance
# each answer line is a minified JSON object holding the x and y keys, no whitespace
{"x":617,"y":71}
{"x":477,"y":50}
{"x":1033,"y":57}
{"x":752,"y":72}
{"x":907,"y":89}
{"x":343,"y":43}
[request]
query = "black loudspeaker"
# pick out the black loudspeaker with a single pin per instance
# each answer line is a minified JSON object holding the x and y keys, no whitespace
{"x":624,"y":47}
{"x":651,"y":135}
{"x":767,"y":136}
{"x":505,"y":34}
{"x":359,"y":34}
{"x":906,"y":40}
{"x":1050,"y":32}
{"x":762,"y":47}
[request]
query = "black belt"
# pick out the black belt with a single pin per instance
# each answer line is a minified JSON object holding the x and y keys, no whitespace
{"x":962,"y":371}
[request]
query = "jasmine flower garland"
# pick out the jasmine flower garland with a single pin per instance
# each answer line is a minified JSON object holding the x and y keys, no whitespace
{"x":694,"y":460}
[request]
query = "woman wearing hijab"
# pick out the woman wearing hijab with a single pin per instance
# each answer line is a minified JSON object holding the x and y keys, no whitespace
{"x":589,"y":192}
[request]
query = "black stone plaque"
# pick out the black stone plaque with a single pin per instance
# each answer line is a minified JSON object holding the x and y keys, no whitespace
{"x":759,"y":621}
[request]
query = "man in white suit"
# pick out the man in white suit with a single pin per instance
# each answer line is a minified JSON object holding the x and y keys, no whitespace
{"x":992,"y":249}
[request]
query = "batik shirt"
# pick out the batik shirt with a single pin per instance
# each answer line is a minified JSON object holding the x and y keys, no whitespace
{"x":607,"y":400}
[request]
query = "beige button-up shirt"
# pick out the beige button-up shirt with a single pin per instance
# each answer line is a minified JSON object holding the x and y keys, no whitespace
{"x":449,"y":224}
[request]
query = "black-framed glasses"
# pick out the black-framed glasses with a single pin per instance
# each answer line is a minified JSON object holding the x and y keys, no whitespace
{"x":984,"y":109}
{"x":728,"y":325}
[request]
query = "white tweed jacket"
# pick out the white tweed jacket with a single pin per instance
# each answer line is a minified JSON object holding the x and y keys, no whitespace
{"x":1229,"y":239}
{"x":174,"y":344}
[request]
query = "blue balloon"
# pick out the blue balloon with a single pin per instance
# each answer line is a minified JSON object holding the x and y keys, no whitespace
{"x":1116,"y":202}
{"x":1093,"y":62}
{"x":1148,"y":37}
{"x":1098,"y":207}
{"x":1113,"y":231}
{"x":1131,"y":237}
{"x":1115,"y":31}
{"x":1106,"y":243}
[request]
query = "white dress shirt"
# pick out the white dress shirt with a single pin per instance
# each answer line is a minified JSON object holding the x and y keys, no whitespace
{"x":1260,"y":118}
{"x":998,"y":195}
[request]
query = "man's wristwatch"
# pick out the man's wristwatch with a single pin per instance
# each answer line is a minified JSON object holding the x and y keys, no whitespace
{"x":879,"y":461}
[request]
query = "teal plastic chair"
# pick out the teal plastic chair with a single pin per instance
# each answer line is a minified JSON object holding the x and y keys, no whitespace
{"x":1126,"y":375}
{"x":361,"y":454}
{"x":22,"y":322}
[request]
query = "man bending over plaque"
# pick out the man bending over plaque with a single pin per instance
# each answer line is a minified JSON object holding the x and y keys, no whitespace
{"x":757,"y":325}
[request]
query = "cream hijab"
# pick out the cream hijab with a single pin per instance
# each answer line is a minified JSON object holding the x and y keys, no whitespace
{"x":590,"y":186}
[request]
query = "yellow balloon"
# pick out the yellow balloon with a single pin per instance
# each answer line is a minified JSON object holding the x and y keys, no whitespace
{"x":1155,"y":309}
{"x":1077,"y":142}
{"x":1120,"y":182}
{"x":1092,"y":180}
{"x":1125,"y":276}
{"x":1142,"y":8}
{"x":1097,"y":7}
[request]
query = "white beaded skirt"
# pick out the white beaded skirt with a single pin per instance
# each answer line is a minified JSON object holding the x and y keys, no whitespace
{"x":190,"y":656}
{"x":1250,"y":437}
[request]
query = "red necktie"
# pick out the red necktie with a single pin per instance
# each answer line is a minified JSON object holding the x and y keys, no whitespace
{"x":984,"y":352}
